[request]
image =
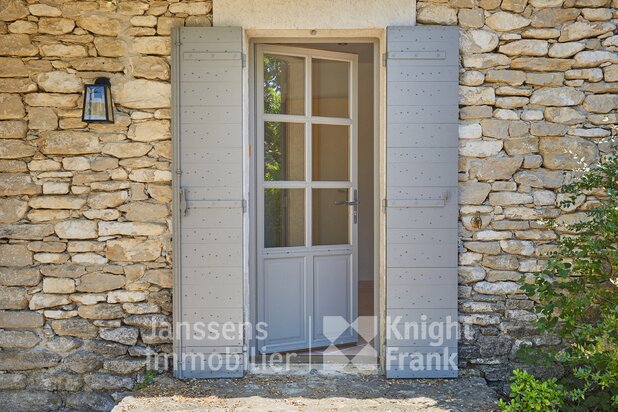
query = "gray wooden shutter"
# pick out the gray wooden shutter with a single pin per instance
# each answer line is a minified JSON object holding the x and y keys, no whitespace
{"x":208,"y":201}
{"x":421,"y":205}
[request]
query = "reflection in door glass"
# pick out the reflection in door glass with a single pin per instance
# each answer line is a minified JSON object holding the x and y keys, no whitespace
{"x":330,"y":153}
{"x":284,"y":151}
{"x":284,"y":84}
{"x":330,"y":88}
{"x":284,"y":217}
{"x":330,"y":217}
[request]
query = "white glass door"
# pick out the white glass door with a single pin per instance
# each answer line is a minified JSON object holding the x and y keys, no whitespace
{"x":306,"y":196}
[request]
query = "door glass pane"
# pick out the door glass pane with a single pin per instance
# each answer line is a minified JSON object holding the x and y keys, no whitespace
{"x":284,"y":151}
{"x":330,"y":153}
{"x":284,"y":217}
{"x":284,"y":84}
{"x":330,"y":221}
{"x":330,"y":88}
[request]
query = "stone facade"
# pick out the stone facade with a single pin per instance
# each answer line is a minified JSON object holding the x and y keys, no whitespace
{"x":538,"y":100}
{"x":85,"y":224}
{"x":85,"y":270}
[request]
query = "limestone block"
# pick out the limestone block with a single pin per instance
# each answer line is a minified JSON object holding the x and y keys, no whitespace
{"x":156,"y":45}
{"x":76,"y":229}
{"x":564,"y":50}
{"x":565,"y":115}
{"x":525,"y":48}
{"x":69,"y":143}
{"x":144,"y":94}
{"x":59,"y":82}
{"x":16,"y":85}
{"x":15,"y":255}
{"x":29,"y":360}
{"x":594,"y":58}
{"x":150,"y":131}
{"x":568,"y":152}
{"x":123,"y":335}
{"x":80,"y":328}
{"x":45,"y":300}
{"x":55,"y":25}
{"x":485,"y":60}
{"x":602,"y":103}
{"x":131,"y":228}
{"x":541,"y":64}
{"x":480,"y":148}
{"x":100,"y":282}
{"x":150,"y":67}
{"x":497,"y":288}
{"x":11,"y":67}
{"x":500,"y":168}
{"x":133,"y":250}
{"x":503,"y":21}
{"x":14,"y":184}
{"x":57,"y":202}
{"x":17,"y":45}
{"x":44,"y":10}
{"x":11,"y":107}
{"x":552,"y":17}
{"x":478,"y":41}
{"x":592,"y":75}
{"x":103,"y":24}
{"x":557,"y":96}
{"x":476,"y":95}
{"x":97,"y":64}
{"x":160,"y":277}
{"x":63,"y":50}
{"x":521,"y":145}
{"x":12,"y":210}
{"x":510,"y":77}
{"x":432,"y":13}
{"x":60,"y":101}
{"x":101,"y":311}
{"x":144,"y":211}
{"x":545,"y":79}
{"x":582,"y":30}
{"x":150,"y":175}
{"x":15,"y":149}
{"x":470,"y":18}
{"x":58,"y":285}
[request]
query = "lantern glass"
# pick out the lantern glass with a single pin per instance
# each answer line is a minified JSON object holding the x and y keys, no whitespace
{"x":98,"y":105}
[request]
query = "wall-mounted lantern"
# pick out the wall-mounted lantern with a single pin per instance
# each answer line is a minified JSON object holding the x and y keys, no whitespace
{"x":98,"y":105}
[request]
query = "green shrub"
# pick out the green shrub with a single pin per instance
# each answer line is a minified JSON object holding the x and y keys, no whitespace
{"x":531,"y":394}
{"x":578,"y":300}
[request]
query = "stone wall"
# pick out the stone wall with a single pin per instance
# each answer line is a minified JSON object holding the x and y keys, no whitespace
{"x":85,"y":270}
{"x":538,"y":101}
{"x":84,"y":209}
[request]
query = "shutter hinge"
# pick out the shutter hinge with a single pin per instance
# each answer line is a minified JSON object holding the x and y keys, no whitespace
{"x":384,"y":59}
{"x":243,"y":57}
{"x":178,"y":172}
{"x":244,"y":206}
{"x":178,"y":43}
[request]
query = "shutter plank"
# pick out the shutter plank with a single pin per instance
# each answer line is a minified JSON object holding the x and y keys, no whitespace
{"x":421,"y":206}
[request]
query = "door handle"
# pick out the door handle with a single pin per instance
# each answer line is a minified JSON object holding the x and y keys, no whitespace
{"x":353,"y":203}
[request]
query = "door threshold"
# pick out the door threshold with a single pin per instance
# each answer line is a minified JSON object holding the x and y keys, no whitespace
{"x":324,"y":369}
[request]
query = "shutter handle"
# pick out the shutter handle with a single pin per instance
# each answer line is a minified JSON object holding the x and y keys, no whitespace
{"x":183,"y":202}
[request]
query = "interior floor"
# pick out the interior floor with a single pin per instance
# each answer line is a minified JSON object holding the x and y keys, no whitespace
{"x":361,"y":352}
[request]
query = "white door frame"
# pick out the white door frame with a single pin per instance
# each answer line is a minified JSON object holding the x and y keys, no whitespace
{"x":377,"y":37}
{"x":308,"y":119}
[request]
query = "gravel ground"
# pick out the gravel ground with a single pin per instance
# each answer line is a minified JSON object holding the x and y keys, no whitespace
{"x":312,"y":393}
